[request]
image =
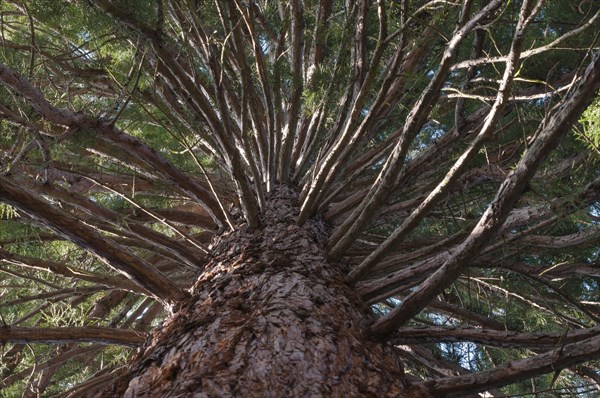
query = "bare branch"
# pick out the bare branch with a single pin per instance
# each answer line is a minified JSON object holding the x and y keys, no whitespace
{"x":384,"y":183}
{"x":452,"y":175}
{"x":551,"y":361}
{"x":71,"y":272}
{"x":87,"y":334}
{"x":561,"y":119}
{"x":141,"y":272}
{"x":109,"y":132}
{"x":529,"y":53}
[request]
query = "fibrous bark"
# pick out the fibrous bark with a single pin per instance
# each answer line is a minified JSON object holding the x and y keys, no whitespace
{"x":393,"y":120}
{"x":268,"y":317}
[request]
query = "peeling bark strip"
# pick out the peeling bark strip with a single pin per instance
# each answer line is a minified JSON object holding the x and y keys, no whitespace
{"x":89,"y":334}
{"x":268,"y":316}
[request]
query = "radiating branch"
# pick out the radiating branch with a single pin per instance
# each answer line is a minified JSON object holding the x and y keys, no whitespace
{"x":84,"y":334}
{"x":562,"y":356}
{"x":558,"y":123}
{"x":141,"y":272}
{"x":452,"y":175}
{"x":385,"y":182}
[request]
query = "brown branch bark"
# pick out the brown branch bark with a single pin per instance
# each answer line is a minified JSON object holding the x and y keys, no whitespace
{"x":141,"y":272}
{"x":87,"y":334}
{"x":183,"y":250}
{"x":492,"y":337}
{"x":351,"y":131}
{"x":293,"y":112}
{"x":455,"y":171}
{"x":62,"y":294}
{"x":92,"y":386}
{"x":588,"y":237}
{"x":529,"y":53}
{"x":551,"y":361}
{"x":385,"y":181}
{"x":52,"y":362}
{"x":108,"y":132}
{"x":71,"y":272}
{"x":558,"y":123}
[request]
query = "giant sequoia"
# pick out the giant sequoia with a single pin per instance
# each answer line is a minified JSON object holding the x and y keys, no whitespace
{"x":299,"y":198}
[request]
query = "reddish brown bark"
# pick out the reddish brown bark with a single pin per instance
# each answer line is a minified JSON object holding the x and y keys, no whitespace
{"x":101,"y":335}
{"x":562,"y":118}
{"x":492,"y":337}
{"x":141,"y":272}
{"x":554,"y":360}
{"x":268,"y":317}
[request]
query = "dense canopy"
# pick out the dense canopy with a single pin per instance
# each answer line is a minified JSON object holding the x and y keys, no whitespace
{"x":444,"y":155}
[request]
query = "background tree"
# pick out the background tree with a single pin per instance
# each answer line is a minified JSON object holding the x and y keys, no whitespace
{"x":345,"y":198}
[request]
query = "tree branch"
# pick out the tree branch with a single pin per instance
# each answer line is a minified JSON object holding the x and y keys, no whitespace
{"x":384,"y":184}
{"x":555,"y":360}
{"x":452,"y":175}
{"x":491,"y":337}
{"x":558,"y":123}
{"x":141,"y":272}
{"x":87,"y":334}
{"x":71,"y":272}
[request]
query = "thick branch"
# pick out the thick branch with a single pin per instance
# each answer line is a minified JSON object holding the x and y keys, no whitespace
{"x":494,"y":338}
{"x":109,"y":132}
{"x":550,"y":361}
{"x":87,"y":334}
{"x":141,"y":272}
{"x":558,"y":123}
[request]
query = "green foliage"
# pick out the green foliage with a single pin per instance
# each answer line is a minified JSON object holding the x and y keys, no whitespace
{"x":590,"y":127}
{"x":7,"y":212}
{"x":64,"y":315}
{"x":83,"y":59}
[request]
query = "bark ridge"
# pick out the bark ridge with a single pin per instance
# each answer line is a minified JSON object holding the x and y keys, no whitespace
{"x":268,"y":316}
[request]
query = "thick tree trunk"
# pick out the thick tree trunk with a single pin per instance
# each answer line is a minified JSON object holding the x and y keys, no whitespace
{"x":269,"y":317}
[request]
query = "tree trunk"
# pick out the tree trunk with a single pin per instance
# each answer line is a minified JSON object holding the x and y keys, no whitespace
{"x":269,"y":317}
